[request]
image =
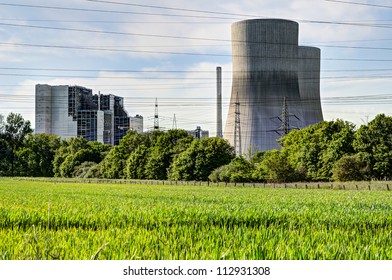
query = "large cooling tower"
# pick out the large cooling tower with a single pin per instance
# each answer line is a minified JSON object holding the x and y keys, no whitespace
{"x":268,"y":68}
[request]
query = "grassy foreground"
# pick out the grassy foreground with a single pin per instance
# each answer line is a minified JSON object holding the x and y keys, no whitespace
{"x":49,"y":220}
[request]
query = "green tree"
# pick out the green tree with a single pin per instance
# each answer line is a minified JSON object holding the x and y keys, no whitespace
{"x":94,"y":172}
{"x":277,"y":168}
{"x":82,"y":170}
{"x":348,"y":168}
{"x":4,"y":149}
{"x":201,"y":158}
{"x":183,"y":165}
{"x":162,"y":152}
{"x":5,"y":155}
{"x":136,"y":163}
{"x":74,"y":152}
{"x":339,"y":145}
{"x":15,"y":131}
{"x":373,"y":143}
{"x":114,"y":164}
{"x":238,"y":170}
{"x":37,"y":156}
{"x":313,"y":151}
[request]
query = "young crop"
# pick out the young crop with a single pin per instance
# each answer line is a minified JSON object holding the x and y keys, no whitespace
{"x":52,"y":220}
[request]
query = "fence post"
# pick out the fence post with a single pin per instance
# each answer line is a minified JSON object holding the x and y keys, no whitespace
{"x":369,"y":187}
{"x":356,"y":186}
{"x":387,"y":187}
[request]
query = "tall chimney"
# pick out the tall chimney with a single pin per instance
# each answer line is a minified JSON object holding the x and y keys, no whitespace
{"x":219,"y":132}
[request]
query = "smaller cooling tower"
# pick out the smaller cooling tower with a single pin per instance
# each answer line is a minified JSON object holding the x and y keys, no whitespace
{"x":309,"y":84}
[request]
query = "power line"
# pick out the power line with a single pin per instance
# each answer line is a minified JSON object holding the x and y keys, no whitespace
{"x":195,"y":53}
{"x":370,"y":22}
{"x":210,"y":102}
{"x":114,"y":21}
{"x":173,"y":71}
{"x":355,"y":47}
{"x":118,"y":47}
{"x":188,"y":78}
{"x":114,"y":32}
{"x":115,"y":50}
{"x":106,"y":11}
{"x":360,"y":3}
{"x":190,"y":16}
{"x":150,"y":35}
{"x":173,"y":9}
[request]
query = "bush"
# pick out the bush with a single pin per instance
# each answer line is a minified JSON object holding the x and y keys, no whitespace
{"x":82,"y":170}
{"x":348,"y":168}
{"x":238,"y":170}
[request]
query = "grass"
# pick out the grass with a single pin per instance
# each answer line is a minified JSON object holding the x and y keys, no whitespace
{"x":55,"y":220}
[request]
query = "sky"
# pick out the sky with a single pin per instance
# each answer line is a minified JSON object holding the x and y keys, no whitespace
{"x":169,"y":50}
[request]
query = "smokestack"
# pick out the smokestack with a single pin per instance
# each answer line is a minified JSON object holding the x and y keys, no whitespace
{"x":219,"y":132}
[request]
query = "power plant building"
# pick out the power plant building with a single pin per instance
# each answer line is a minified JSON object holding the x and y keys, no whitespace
{"x":72,"y":111}
{"x":136,"y":123}
{"x":272,"y":75}
{"x":199,"y":133}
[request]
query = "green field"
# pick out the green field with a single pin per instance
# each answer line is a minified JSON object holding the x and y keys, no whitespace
{"x":53,"y":220}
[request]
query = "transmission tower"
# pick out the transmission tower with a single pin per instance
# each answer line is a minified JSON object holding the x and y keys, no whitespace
{"x":219,"y":132}
{"x":156,"y":117}
{"x":284,"y":118}
{"x":237,"y":127}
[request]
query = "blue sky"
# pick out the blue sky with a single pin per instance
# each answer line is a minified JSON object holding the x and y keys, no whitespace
{"x":169,"y":50}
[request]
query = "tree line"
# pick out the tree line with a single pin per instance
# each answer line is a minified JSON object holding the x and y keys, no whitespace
{"x":329,"y":150}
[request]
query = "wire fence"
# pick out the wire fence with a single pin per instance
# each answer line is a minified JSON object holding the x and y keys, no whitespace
{"x":359,"y":186}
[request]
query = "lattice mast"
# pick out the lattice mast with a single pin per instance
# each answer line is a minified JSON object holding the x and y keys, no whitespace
{"x":219,"y":131}
{"x":156,"y":116}
{"x":237,"y":127}
{"x":285,"y":118}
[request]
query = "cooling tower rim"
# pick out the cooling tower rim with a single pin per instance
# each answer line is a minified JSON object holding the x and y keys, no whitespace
{"x":309,"y":48}
{"x":266,"y":20}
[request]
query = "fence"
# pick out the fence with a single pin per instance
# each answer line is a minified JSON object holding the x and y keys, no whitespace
{"x":359,"y":186}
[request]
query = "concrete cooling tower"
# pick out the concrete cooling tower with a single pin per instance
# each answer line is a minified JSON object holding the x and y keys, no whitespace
{"x":271,"y":74}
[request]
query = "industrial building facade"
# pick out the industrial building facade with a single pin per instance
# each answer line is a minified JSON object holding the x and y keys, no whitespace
{"x":199,"y":133}
{"x":271,"y":74}
{"x":72,"y":111}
